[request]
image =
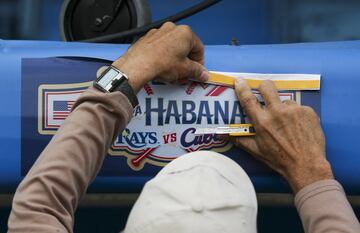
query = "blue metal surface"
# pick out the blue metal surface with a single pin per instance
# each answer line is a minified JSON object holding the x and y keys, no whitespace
{"x":338,"y":62}
{"x":250,"y":22}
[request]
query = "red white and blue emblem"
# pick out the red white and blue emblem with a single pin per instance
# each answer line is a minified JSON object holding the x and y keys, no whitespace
{"x":163,"y":124}
{"x":55,"y":102}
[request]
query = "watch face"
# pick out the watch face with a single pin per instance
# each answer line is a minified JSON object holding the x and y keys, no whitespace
{"x":107,"y":78}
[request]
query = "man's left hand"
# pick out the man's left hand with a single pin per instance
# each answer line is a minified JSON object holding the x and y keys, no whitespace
{"x":171,"y":54}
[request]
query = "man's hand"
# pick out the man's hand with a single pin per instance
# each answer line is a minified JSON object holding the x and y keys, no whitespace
{"x":289,"y":138}
{"x":171,"y":53}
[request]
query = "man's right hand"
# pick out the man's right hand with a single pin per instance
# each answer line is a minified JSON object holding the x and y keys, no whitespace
{"x":289,"y":138}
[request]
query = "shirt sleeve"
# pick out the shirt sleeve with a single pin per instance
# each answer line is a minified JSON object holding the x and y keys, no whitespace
{"x":323,"y":207}
{"x":46,"y":199}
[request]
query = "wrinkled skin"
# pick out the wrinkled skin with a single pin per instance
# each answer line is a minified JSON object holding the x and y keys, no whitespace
{"x":171,"y":54}
{"x":289,"y":138}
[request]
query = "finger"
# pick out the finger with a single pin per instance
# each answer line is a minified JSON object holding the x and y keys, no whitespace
{"x":289,"y":102}
{"x":166,"y":27}
{"x":151,"y":32}
{"x":269,"y":93}
{"x":147,"y":35}
{"x":249,"y":145}
{"x":195,"y":71}
{"x":197,"y":50}
{"x":154,"y":33}
{"x":247,"y":99}
{"x":151,"y":36}
{"x":246,"y":143}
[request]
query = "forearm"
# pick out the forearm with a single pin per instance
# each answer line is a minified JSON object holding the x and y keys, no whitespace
{"x":46,"y":199}
{"x":323,"y":207}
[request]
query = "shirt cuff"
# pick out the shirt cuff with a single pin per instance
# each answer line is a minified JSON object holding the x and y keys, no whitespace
{"x":316,"y":188}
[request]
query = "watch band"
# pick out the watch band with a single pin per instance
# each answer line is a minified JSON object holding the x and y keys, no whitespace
{"x":128,"y":91}
{"x":113,"y":79}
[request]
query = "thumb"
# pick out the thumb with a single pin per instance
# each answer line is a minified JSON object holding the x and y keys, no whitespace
{"x":196,"y":71}
{"x":248,"y":144}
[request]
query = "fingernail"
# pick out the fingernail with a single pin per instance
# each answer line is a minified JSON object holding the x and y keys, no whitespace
{"x":240,"y":81}
{"x":204,"y":76}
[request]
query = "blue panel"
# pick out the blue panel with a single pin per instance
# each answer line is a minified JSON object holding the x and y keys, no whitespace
{"x":247,"y":21}
{"x":338,"y":62}
{"x":250,"y":22}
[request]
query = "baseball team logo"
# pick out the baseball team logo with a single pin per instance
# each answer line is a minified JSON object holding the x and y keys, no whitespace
{"x":163,"y":125}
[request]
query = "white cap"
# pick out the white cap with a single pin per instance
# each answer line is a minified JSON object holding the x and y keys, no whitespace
{"x":198,"y":192}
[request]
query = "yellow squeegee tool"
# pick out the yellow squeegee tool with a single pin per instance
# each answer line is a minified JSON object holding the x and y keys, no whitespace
{"x":290,"y":82}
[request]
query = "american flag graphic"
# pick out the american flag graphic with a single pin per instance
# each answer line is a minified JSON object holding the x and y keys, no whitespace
{"x":62,"y":109}
{"x":55,"y":104}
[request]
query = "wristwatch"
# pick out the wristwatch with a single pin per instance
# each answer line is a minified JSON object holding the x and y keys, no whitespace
{"x":112,"y":79}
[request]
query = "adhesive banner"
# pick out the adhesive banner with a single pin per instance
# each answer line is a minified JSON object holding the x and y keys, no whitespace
{"x":163,"y":124}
